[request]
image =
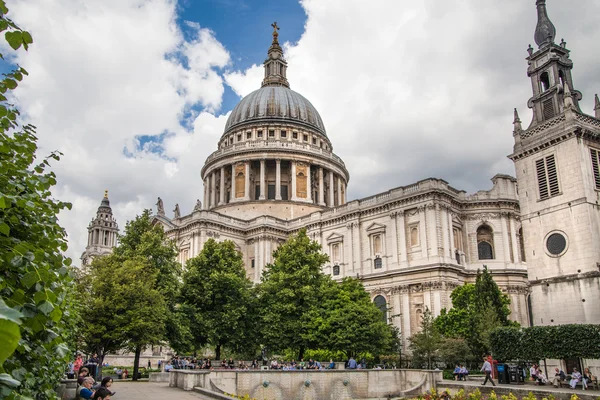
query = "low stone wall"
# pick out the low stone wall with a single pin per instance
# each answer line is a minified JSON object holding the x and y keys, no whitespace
{"x":328,"y":384}
{"x":158,"y":377}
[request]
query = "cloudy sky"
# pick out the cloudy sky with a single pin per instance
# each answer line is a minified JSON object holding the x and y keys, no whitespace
{"x":136,"y":93}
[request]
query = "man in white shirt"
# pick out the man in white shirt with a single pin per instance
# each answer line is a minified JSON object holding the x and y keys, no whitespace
{"x":487,"y":370}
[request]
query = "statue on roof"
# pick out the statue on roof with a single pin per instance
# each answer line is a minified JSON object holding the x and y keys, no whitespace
{"x":198,"y":206}
{"x":176,"y":211}
{"x":160,"y":207}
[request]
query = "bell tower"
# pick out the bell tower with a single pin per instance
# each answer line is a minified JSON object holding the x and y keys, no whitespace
{"x":549,"y":69}
{"x":557,"y":162}
{"x":102,"y":233}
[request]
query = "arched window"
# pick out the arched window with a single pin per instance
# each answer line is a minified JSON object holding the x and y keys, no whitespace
{"x":377,"y":244}
{"x":414,"y":236}
{"x":561,"y":77}
{"x":336,"y":270}
{"x":382,"y":305}
{"x":378,"y":263}
{"x":545,"y":81}
{"x":485,"y":242}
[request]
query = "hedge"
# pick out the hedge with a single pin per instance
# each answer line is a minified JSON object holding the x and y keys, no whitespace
{"x":539,"y":342}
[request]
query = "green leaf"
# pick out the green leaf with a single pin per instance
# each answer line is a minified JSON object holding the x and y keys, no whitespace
{"x":27,"y":38}
{"x":10,"y":83}
{"x":9,"y":314}
{"x":10,"y":335}
{"x":46,"y":307}
{"x":7,"y":380}
{"x":14,"y":39}
{"x":30,"y":279}
{"x":4,"y":228}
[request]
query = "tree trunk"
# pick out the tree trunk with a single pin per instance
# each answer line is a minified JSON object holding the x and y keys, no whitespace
{"x":99,"y":373}
{"x":218,"y":352}
{"x":136,"y":363}
{"x":301,"y":353}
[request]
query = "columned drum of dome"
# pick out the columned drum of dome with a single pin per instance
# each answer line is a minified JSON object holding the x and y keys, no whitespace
{"x":274,"y":157}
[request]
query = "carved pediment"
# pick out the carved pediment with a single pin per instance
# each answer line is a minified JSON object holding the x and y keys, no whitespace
{"x":335,"y":238}
{"x":376,"y":228}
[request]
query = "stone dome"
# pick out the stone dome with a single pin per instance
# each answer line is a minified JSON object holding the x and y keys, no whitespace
{"x":275,"y":103}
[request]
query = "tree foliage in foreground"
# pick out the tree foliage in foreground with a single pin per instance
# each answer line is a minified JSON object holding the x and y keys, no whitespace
{"x":36,"y":313}
{"x":290,"y":288}
{"x":144,"y":254}
{"x":346,"y":320}
{"x":217,"y":299}
{"x":426,"y":343}
{"x":477,"y":309}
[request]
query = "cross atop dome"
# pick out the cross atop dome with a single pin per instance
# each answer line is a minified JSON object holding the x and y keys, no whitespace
{"x":275,"y":64}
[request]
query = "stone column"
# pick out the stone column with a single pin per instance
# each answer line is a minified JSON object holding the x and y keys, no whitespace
{"x":247,"y":182}
{"x":394,"y":237}
{"x":213,"y":189}
{"x":232,"y":183}
{"x":432,"y":229}
{"x":349,"y":228}
{"x":262,"y":179}
{"x":406,"y":315}
{"x":505,"y":238}
{"x":321,"y":188}
{"x":339,"y":188}
{"x":308,"y":184}
{"x":293,"y":169}
{"x":401,"y":237}
{"x":222,"y":187}
{"x":268,"y":251}
{"x":447,"y":248}
{"x":256,"y":269}
{"x":278,"y":180}
{"x":331,"y":191}
{"x":451,"y":231}
{"x":423,"y":231}
{"x":205,"y":193}
{"x":515,"y":243}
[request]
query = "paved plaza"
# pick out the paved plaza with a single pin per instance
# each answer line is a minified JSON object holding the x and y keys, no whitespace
{"x":152,"y":391}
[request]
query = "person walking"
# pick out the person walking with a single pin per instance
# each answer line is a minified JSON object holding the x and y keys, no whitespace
{"x":487,"y":370}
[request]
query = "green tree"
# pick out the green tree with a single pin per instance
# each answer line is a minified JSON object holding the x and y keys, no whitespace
{"x":141,"y":244}
{"x":36,"y":312}
{"x":290,"y":288}
{"x":346,"y":320}
{"x":425,"y":344}
{"x":477,"y":309}
{"x":217,"y":299}
{"x":126,"y":310}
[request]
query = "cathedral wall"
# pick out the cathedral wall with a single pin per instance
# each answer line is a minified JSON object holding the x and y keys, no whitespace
{"x":572,"y":301}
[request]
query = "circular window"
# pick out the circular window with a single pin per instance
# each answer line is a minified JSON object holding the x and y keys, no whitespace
{"x":556,"y":244}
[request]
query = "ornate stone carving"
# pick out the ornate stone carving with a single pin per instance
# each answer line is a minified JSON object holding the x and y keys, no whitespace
{"x":198,"y":206}
{"x":176,"y":211}
{"x":160,"y":207}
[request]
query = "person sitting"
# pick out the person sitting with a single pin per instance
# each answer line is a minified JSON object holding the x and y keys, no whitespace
{"x":85,"y":390}
{"x":559,"y":376}
{"x":224,"y":363}
{"x":533,"y":372}
{"x":587,"y":378}
{"x":541,"y":377}
{"x":103,"y":394}
{"x":331,"y":364}
{"x":125,"y":373}
{"x":352,"y":363}
{"x":464,"y":372}
{"x":311,"y":364}
{"x":106,"y":384}
{"x":456,"y":373}
{"x":230,"y":363}
{"x":575,"y":378}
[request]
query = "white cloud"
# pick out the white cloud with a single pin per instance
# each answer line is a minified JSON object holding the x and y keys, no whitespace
{"x":245,"y":82}
{"x":101,"y":75}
